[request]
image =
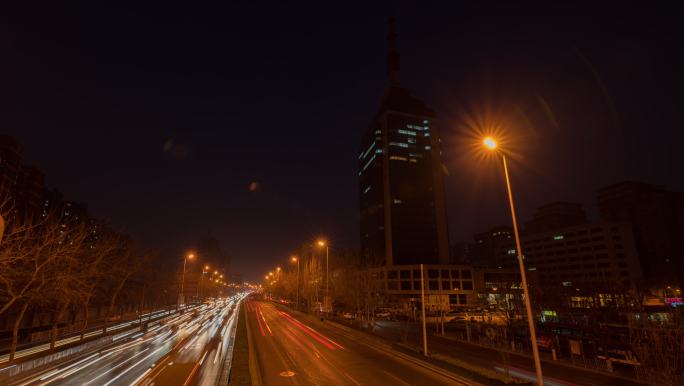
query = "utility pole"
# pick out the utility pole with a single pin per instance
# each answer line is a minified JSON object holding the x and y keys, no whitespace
{"x":422,"y":301}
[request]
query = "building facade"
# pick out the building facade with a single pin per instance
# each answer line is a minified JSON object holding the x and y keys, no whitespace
{"x":402,"y":204}
{"x":657,"y":218}
{"x":598,"y":255}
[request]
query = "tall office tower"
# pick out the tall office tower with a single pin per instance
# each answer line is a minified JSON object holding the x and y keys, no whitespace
{"x":402,"y":203}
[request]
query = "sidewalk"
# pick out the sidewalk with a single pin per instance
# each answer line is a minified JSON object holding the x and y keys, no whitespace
{"x":487,"y":357}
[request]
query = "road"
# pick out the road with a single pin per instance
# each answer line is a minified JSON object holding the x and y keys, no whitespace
{"x":187,"y":349}
{"x":290,"y":352}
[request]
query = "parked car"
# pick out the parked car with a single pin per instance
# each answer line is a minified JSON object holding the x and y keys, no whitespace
{"x":348,"y":315}
{"x":383,"y":315}
{"x":622,"y":355}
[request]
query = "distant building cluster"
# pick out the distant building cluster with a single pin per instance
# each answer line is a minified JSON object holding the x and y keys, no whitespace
{"x":636,"y":243}
{"x":23,"y":192}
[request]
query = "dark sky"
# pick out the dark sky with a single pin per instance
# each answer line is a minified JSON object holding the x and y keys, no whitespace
{"x":160,"y":116}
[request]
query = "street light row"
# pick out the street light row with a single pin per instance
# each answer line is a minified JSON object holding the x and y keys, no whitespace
{"x":295,"y":259}
{"x":218,"y":278}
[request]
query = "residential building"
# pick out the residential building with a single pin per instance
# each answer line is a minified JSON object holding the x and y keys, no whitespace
{"x":597,"y":256}
{"x":556,"y":215}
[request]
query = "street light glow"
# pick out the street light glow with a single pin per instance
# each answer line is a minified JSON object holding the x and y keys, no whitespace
{"x":191,"y":255}
{"x":490,"y":143}
{"x":321,"y":243}
{"x":293,"y":259}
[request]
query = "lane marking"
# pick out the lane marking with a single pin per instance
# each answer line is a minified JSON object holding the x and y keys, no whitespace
{"x":259,"y":321}
{"x":133,"y":366}
{"x":396,"y":378}
{"x":116,"y":367}
{"x":218,"y":352}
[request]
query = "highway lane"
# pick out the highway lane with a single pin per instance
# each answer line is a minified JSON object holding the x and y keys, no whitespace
{"x":291,"y":352}
{"x":200,"y":359}
{"x":137,"y":354}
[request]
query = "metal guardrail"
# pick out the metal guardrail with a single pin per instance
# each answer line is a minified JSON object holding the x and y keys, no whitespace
{"x":30,"y":364}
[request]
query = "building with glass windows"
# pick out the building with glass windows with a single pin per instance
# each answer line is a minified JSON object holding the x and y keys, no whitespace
{"x":402,"y":205}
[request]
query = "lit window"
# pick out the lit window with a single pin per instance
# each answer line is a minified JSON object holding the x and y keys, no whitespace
{"x":411,"y":140}
{"x":397,"y":158}
{"x":368,"y":188}
{"x":378,"y":132}
{"x":413,"y":160}
{"x":378,"y":151}
{"x":427,"y":134}
{"x":428,"y":147}
{"x":396,"y":201}
{"x":425,"y":121}
{"x":558,"y":237}
{"x":369,"y":149}
{"x":511,"y":252}
{"x":407,"y":132}
{"x":369,"y":162}
{"x":399,"y":144}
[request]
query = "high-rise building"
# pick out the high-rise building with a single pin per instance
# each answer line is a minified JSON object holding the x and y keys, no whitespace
{"x":21,"y":186}
{"x":556,"y":215}
{"x":657,"y":218}
{"x":495,"y":248}
{"x":402,"y":204}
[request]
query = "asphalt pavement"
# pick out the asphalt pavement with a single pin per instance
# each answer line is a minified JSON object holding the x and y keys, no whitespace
{"x":289,"y":351}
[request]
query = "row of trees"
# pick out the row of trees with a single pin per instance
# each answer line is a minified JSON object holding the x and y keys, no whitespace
{"x":350,"y":285}
{"x":58,"y":270}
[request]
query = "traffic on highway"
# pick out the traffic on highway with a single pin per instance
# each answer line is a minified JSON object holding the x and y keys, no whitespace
{"x":194,"y":347}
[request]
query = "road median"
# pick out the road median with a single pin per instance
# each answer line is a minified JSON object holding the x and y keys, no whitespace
{"x":243,"y":354}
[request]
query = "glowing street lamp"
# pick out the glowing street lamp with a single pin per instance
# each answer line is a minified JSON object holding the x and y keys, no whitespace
{"x":491,"y":144}
{"x":294,"y":259}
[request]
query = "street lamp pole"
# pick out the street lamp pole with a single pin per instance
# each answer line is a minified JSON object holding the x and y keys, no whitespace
{"x":180,"y":295}
{"x":422,"y":309}
{"x":491,"y":144}
{"x":323,"y":243}
{"x":296,"y":260}
{"x":327,"y":271}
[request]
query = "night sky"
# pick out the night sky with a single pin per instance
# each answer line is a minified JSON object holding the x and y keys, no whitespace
{"x":245,"y":118}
